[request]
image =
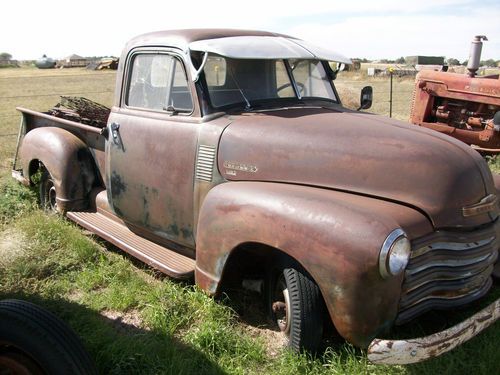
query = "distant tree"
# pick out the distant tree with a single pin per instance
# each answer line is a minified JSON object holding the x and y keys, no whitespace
{"x":5,"y":56}
{"x":489,"y":62}
{"x":452,"y":61}
{"x":362,"y":59}
{"x":465,"y":62}
{"x":401,"y":60}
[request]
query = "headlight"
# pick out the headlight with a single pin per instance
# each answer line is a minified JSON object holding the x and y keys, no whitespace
{"x":394,"y":254}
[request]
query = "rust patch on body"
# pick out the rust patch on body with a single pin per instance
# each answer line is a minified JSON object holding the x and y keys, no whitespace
{"x":117,"y":185}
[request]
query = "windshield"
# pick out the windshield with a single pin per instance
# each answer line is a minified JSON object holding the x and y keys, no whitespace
{"x":247,"y":81}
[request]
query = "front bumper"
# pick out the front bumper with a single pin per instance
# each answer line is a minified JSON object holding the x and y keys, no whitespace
{"x":400,"y":352}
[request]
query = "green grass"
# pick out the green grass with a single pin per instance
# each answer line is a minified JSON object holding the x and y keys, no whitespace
{"x":166,"y":327}
{"x":133,"y":320}
{"x":176,"y":327}
{"x":494,"y":163}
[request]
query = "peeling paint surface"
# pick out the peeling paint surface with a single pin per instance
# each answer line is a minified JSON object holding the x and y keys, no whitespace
{"x":152,"y":181}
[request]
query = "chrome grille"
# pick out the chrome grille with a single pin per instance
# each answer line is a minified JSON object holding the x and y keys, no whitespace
{"x":448,"y":269}
{"x":205,"y":163}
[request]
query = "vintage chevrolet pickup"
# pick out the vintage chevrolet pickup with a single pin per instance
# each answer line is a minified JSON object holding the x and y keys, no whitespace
{"x":228,"y":155}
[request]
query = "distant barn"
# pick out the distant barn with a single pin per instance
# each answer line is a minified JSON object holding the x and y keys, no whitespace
{"x":73,"y":61}
{"x":424,"y":60}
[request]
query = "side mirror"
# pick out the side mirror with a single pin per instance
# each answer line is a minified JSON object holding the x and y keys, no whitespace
{"x":333,"y":68}
{"x":366,"y":98}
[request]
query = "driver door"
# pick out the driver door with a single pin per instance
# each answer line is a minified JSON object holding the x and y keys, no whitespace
{"x":151,"y":149}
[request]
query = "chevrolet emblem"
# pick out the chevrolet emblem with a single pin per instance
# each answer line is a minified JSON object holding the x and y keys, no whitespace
{"x":487,"y":204}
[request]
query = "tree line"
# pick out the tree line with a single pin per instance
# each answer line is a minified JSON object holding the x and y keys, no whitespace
{"x":449,"y":61}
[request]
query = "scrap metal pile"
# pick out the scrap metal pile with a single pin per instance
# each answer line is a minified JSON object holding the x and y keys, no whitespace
{"x":104,"y":63}
{"x":81,"y":110}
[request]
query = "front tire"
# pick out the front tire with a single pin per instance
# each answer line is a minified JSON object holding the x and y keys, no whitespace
{"x":34,"y":341}
{"x":297,"y":309}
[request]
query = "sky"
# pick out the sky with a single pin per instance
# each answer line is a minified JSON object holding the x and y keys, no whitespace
{"x":373,"y":29}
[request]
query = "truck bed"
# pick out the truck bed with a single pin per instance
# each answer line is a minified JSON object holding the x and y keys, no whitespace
{"x":93,"y":136}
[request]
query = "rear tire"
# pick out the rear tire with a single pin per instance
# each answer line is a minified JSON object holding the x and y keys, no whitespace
{"x":47,"y":193}
{"x":297,"y":309}
{"x":35,"y":341}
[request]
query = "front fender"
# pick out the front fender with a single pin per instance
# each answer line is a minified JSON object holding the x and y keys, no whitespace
{"x":335,"y":236}
{"x":68,"y":160}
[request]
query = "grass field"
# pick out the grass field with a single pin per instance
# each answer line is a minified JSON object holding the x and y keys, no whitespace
{"x":133,"y":320}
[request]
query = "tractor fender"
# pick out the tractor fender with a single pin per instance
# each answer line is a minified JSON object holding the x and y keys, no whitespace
{"x":68,"y":160}
{"x":335,"y":236}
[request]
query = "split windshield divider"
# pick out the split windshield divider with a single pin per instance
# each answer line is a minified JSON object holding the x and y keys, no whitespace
{"x":292,"y":79}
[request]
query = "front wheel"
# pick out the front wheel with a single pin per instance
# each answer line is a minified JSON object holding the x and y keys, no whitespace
{"x":297,"y":309}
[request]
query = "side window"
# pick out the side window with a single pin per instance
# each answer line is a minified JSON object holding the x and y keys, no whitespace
{"x":159,"y":82}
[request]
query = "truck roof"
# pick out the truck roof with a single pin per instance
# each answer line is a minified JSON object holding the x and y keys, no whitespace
{"x":243,"y":44}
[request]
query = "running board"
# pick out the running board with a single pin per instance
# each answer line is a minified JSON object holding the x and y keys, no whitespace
{"x":165,"y":260}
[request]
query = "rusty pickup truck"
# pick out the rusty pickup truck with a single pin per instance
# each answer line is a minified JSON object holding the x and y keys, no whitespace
{"x":228,"y":155}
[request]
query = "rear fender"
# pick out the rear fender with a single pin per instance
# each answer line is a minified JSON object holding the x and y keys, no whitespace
{"x":68,"y":160}
{"x":335,"y":236}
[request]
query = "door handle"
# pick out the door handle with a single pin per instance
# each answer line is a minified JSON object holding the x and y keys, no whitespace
{"x":114,"y":132}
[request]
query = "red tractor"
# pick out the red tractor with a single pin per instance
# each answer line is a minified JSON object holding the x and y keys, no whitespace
{"x":466,"y":107}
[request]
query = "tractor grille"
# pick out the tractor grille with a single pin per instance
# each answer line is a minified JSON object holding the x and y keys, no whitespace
{"x":448,"y":269}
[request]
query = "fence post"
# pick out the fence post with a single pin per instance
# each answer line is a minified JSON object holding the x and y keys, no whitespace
{"x":391,"y":71}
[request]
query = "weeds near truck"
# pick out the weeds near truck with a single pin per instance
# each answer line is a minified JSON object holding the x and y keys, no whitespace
{"x":133,"y":321}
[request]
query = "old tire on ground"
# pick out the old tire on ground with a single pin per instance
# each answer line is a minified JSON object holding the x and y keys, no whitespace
{"x":34,"y":341}
{"x":297,"y":308}
{"x":47,"y":192}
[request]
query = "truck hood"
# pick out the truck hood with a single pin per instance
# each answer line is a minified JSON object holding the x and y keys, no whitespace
{"x":360,"y":153}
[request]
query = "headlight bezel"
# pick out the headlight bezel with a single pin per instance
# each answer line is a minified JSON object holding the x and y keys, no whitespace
{"x":386,"y":252}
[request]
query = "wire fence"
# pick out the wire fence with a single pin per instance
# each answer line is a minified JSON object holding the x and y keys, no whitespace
{"x":56,"y":94}
{"x":394,"y":95}
{"x":60,"y":75}
{"x":389,"y":93}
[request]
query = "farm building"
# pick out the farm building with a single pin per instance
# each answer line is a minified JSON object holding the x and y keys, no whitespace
{"x":424,"y":60}
{"x":9,"y":63}
{"x":73,"y":61}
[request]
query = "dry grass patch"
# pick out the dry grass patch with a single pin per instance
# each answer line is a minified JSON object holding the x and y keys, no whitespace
{"x":11,"y":246}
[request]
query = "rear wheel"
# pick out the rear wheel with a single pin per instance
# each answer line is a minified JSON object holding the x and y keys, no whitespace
{"x":297,"y":308}
{"x":47,"y":192}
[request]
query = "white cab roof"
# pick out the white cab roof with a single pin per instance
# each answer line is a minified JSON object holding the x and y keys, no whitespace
{"x":266,"y":47}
